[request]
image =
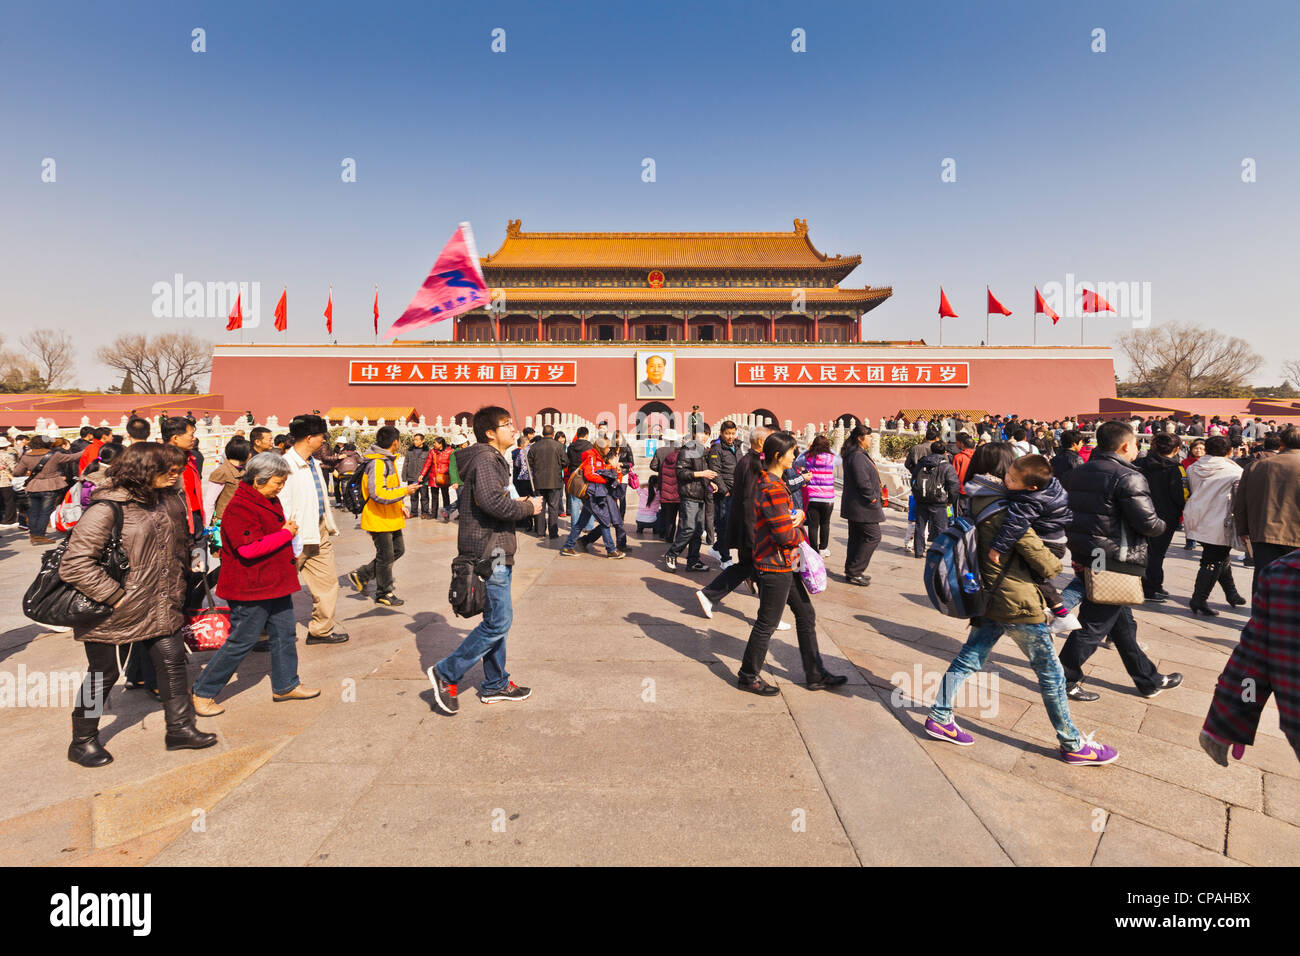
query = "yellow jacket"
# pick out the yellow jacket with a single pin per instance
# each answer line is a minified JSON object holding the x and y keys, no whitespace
{"x":383,"y":510}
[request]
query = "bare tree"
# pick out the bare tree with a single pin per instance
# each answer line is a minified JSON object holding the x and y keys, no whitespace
{"x":162,"y":364}
{"x":17,"y":372}
{"x":1291,"y":372}
{"x":1186,"y":361}
{"x":55,"y":353}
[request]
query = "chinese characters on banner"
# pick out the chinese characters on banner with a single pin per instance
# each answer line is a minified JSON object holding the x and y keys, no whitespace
{"x":464,"y":373}
{"x":853,"y":373}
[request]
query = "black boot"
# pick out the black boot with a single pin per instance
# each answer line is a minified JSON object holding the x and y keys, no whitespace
{"x":181,"y":732}
{"x":1206,"y":576}
{"x":85,"y":748}
{"x":1229,"y":586}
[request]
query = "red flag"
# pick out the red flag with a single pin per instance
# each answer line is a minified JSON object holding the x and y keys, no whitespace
{"x":1092,"y":302}
{"x":329,"y":313}
{"x":236,"y":319}
{"x":454,"y":285}
{"x":1041,"y":306}
{"x":945,"y":307}
{"x":995,"y":305}
{"x":376,"y":310}
{"x":282,"y":312}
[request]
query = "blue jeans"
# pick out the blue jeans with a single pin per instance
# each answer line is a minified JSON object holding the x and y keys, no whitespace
{"x":247,"y":619}
{"x":487,"y":642}
{"x":581,"y":524}
{"x":721,"y":513}
{"x":1036,"y":642}
{"x":40,"y":505}
{"x":690,"y":526}
{"x":577,"y":507}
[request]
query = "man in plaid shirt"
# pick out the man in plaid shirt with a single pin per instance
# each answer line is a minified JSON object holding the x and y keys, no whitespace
{"x":1266,"y":661}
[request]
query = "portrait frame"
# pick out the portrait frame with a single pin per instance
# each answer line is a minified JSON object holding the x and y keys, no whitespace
{"x":644,"y":391}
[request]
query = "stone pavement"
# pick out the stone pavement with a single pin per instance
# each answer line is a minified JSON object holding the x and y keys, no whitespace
{"x":636,"y":747}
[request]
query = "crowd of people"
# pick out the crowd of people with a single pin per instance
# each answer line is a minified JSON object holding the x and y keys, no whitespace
{"x":1038,"y":495}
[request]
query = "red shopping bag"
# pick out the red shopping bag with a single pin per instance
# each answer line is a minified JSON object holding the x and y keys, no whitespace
{"x":206,"y":628}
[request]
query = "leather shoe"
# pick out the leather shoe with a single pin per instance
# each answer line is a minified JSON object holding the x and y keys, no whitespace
{"x":206,"y":706}
{"x":827,"y":680}
{"x":1077,"y":693}
{"x":338,"y":637}
{"x":862,"y":580}
{"x":758,"y":686}
{"x":298,"y":693}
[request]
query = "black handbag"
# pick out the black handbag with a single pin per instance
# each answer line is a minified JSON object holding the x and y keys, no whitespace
{"x":468,"y":592}
{"x":51,"y":600}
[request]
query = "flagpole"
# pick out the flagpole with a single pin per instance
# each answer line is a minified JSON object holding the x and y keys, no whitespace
{"x":376,"y":317}
{"x":987,"y":337}
{"x":1035,"y":317}
{"x":510,"y":392}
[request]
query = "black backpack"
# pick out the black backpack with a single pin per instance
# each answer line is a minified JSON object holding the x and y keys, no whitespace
{"x":353,"y":499}
{"x":928,"y":486}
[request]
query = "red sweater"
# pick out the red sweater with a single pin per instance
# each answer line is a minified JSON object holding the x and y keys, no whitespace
{"x":253,"y":567}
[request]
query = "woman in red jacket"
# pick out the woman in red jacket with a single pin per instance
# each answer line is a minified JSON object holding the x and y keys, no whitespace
{"x":776,"y":557}
{"x":437,"y":475}
{"x":259,"y":579}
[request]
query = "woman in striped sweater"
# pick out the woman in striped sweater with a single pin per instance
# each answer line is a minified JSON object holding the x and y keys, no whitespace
{"x":776,"y":557}
{"x":819,"y":494}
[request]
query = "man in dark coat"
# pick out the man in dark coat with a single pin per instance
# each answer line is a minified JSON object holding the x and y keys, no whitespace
{"x":860,"y":505}
{"x":936,"y":488}
{"x":546,"y":459}
{"x":1068,"y":458}
{"x":1110,"y":499}
{"x":1167,"y":481}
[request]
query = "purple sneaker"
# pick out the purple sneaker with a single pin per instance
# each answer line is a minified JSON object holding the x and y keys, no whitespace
{"x":949,"y":732}
{"x":1089,"y":754}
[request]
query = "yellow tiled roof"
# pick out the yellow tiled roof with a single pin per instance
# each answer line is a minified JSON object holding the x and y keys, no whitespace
{"x":740,"y":294}
{"x":663,"y":250}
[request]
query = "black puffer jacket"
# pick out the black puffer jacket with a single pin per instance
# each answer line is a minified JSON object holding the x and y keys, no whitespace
{"x":1106,"y":492}
{"x":1064,"y":462}
{"x":577,"y":448}
{"x":1166,"y":479}
{"x":692,"y":459}
{"x":722,"y":459}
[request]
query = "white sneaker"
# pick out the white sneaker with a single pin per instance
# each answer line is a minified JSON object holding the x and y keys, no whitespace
{"x":705,"y":604}
{"x":728,"y":563}
{"x":713,"y":553}
{"x":1064,"y":624}
{"x":56,"y":629}
{"x":825,"y":552}
{"x":783,"y":625}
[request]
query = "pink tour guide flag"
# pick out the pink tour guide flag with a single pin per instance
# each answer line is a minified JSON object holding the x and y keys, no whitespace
{"x":454,"y":285}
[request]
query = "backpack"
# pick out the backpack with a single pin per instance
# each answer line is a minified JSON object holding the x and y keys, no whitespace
{"x":353,"y":500}
{"x":577,"y":486}
{"x":953,"y":580}
{"x":928,"y":487}
{"x":467,"y":594}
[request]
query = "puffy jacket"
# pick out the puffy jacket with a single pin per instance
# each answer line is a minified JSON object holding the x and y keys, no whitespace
{"x":722,"y":459}
{"x":577,"y":448}
{"x":156,"y":541}
{"x":437,"y":464}
{"x":1268,"y":500}
{"x":384,"y":496}
{"x":1213,"y":480}
{"x":413,"y":463}
{"x":1017,"y":599}
{"x":488,"y":514}
{"x":250,"y":572}
{"x":961,"y":462}
{"x":668,"y":489}
{"x":861,"y":500}
{"x":1168,"y":483}
{"x":690,"y":460}
{"x":821,"y":476}
{"x":1106,"y":492}
{"x":1047,"y":511}
{"x":1064,"y":462}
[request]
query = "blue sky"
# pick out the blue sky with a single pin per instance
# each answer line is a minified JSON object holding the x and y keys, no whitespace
{"x":225,"y":165}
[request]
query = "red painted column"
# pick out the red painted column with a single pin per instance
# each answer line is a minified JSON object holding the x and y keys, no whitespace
{"x":497,"y":320}
{"x":541,"y":333}
{"x":582,"y":326}
{"x":728,"y":326}
{"x":815,"y":337}
{"x":686,"y":326}
{"x":626,"y":330}
{"x":771,"y":326}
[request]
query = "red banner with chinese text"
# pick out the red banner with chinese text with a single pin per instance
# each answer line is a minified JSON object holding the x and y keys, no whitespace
{"x":852,"y":373}
{"x":463,"y":373}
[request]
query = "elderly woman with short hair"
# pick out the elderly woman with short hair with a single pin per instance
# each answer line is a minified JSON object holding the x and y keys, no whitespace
{"x":259,"y":579}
